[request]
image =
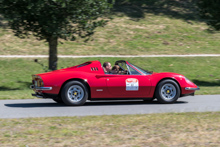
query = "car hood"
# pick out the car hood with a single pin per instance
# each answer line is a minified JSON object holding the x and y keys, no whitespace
{"x":169,"y":74}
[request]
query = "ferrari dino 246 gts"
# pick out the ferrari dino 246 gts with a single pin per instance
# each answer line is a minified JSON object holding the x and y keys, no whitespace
{"x":88,"y":81}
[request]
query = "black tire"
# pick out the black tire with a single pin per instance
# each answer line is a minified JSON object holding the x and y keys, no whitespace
{"x":58,"y":100}
{"x":74,"y":93}
{"x":167,"y":91}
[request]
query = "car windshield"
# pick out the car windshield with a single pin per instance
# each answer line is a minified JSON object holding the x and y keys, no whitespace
{"x":146,"y":72}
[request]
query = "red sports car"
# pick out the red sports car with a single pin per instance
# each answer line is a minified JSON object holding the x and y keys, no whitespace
{"x":88,"y":81}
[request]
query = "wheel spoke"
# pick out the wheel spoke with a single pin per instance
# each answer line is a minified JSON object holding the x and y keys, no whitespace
{"x":75,"y":98}
{"x":168,"y":91}
{"x":75,"y":93}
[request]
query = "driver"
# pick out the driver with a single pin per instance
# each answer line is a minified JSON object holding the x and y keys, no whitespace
{"x":115,"y":69}
{"x":107,"y":67}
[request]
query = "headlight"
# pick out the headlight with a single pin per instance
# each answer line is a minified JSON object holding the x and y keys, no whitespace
{"x":187,"y":80}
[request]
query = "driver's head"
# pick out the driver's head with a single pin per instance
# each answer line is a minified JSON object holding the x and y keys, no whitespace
{"x":107,"y":66}
{"x":116,"y":68}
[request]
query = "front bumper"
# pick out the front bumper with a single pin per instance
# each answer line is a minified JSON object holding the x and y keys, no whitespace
{"x":192,"y":88}
{"x":40,"y":88}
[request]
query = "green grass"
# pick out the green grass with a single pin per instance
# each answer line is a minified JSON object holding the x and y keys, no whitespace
{"x":137,"y":27}
{"x":15,"y":74}
{"x":172,"y":129}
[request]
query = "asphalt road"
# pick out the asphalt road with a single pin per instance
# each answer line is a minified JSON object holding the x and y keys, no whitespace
{"x":48,"y":108}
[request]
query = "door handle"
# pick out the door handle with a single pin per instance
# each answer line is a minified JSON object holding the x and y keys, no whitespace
{"x":99,"y":76}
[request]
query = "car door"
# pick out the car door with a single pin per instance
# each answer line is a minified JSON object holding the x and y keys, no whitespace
{"x":128,"y":86}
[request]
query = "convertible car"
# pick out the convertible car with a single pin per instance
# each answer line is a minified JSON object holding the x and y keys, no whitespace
{"x":88,"y":81}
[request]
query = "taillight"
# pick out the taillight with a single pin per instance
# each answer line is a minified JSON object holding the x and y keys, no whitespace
{"x":37,"y":81}
{"x":41,"y":83}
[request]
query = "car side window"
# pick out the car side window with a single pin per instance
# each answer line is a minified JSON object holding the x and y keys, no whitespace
{"x":132,"y":71}
{"x":123,"y":66}
{"x":126,"y":67}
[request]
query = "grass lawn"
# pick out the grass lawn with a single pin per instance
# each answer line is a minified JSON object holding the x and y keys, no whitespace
{"x":172,"y":129}
{"x":137,"y":27}
{"x":15,"y":74}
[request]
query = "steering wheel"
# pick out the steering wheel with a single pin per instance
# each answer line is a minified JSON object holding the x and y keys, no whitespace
{"x":123,"y":70}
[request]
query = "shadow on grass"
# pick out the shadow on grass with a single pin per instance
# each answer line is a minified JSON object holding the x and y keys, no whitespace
{"x":25,"y":84}
{"x":3,"y":24}
{"x":4,"y":88}
{"x":136,"y":9}
{"x":179,"y":9}
{"x":22,"y":85}
{"x":206,"y":83}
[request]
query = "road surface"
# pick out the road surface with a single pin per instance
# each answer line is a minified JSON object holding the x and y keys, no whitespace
{"x":48,"y":108}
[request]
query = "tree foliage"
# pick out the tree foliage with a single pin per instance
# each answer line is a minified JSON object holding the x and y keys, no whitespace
{"x":54,"y":19}
{"x":210,"y":10}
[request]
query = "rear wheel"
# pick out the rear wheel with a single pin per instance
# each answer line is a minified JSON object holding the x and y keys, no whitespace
{"x":167,"y":91}
{"x":74,"y":93}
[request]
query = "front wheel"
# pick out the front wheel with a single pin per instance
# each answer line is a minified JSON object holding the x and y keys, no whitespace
{"x":167,"y":91}
{"x":74,"y":93}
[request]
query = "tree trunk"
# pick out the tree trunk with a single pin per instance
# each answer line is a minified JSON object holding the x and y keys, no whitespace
{"x":53,"y":42}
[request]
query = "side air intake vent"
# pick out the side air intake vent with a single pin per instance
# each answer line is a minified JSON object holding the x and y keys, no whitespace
{"x":94,"y":69}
